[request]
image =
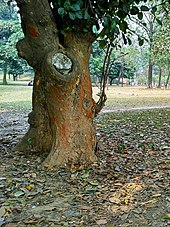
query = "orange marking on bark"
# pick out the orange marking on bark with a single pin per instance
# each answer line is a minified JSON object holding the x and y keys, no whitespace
{"x":63,"y":131}
{"x":33,"y":31}
{"x":89,"y":114}
{"x":54,"y":119}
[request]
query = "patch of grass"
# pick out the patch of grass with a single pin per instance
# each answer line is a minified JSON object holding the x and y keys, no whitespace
{"x":123,"y":97}
{"x":15,"y":98}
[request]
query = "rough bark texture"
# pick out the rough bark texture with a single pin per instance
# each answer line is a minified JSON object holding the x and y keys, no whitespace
{"x":61,"y":122}
{"x":5,"y":73}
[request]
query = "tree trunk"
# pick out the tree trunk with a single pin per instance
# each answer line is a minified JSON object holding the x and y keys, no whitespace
{"x":159,"y":79}
{"x":167,"y":80}
{"x":15,"y":77}
{"x":5,"y":73}
{"x":61,"y":121}
{"x":150,"y":74}
{"x":150,"y":36}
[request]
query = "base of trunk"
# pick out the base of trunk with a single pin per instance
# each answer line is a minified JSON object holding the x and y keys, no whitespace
{"x":38,"y":139}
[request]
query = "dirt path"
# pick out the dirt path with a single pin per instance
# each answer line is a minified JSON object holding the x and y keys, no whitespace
{"x":117,"y":109}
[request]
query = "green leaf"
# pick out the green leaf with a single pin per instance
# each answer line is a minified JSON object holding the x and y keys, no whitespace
{"x":67,"y":5}
{"x":94,"y":183}
{"x":94,"y":28}
{"x":166,"y":217}
{"x":61,"y":11}
{"x":75,"y":7}
{"x":144,"y":8}
{"x":86,"y":15}
{"x":106,"y":21}
{"x":144,"y":24}
{"x":154,"y":9}
{"x":80,"y":3}
{"x":79,"y":15}
{"x":29,"y":140}
{"x":141,"y":42}
{"x":90,"y":190}
{"x":121,"y":14}
{"x":126,"y":8}
{"x":123,"y":26}
{"x":134,"y":10}
{"x":113,"y":24}
{"x":140,"y":15}
{"x":129,"y":41}
{"x":85,"y":30}
{"x":158,"y":21}
{"x":85,"y":175}
{"x":72,"y":15}
{"x":124,"y":39}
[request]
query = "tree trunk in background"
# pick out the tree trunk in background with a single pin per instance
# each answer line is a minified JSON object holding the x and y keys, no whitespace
{"x":61,"y":121}
{"x":5,"y":73}
{"x":159,"y":79}
{"x":150,"y":36}
{"x":167,"y":80}
{"x":15,"y":77}
{"x":150,"y":74}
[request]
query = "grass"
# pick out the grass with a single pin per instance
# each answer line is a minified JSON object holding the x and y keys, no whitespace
{"x":16,"y":97}
{"x":129,"y":97}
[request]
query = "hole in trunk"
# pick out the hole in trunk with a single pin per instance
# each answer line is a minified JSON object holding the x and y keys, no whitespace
{"x":62,"y":63}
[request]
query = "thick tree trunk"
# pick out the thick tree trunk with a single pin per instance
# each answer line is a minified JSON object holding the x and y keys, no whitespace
{"x":5,"y":73}
{"x":61,"y":121}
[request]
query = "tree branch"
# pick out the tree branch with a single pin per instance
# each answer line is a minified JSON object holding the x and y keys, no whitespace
{"x":105,"y":72}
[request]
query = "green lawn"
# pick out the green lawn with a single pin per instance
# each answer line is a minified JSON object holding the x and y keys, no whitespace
{"x":134,"y":97}
{"x":18,"y":97}
{"x":15,"y":98}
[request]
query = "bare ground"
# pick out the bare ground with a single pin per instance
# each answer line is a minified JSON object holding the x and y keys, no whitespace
{"x":128,"y":186}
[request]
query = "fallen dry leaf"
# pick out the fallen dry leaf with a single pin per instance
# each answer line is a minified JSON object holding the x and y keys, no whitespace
{"x":101,"y":222}
{"x":85,"y":208}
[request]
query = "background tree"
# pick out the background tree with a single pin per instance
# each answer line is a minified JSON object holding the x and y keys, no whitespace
{"x":61,"y":122}
{"x":96,"y":65}
{"x":146,"y":28}
{"x":10,"y":33}
{"x":161,"y":44}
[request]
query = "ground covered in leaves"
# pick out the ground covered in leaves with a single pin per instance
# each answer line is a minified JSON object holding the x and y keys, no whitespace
{"x":128,"y":186}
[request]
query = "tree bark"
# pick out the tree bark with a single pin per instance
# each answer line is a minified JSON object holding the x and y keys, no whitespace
{"x":15,"y":77}
{"x":61,"y":121}
{"x":150,"y":74}
{"x":168,"y":77}
{"x":5,"y":73}
{"x":160,"y":77}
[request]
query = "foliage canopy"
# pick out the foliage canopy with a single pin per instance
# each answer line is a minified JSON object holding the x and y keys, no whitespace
{"x":107,"y":19}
